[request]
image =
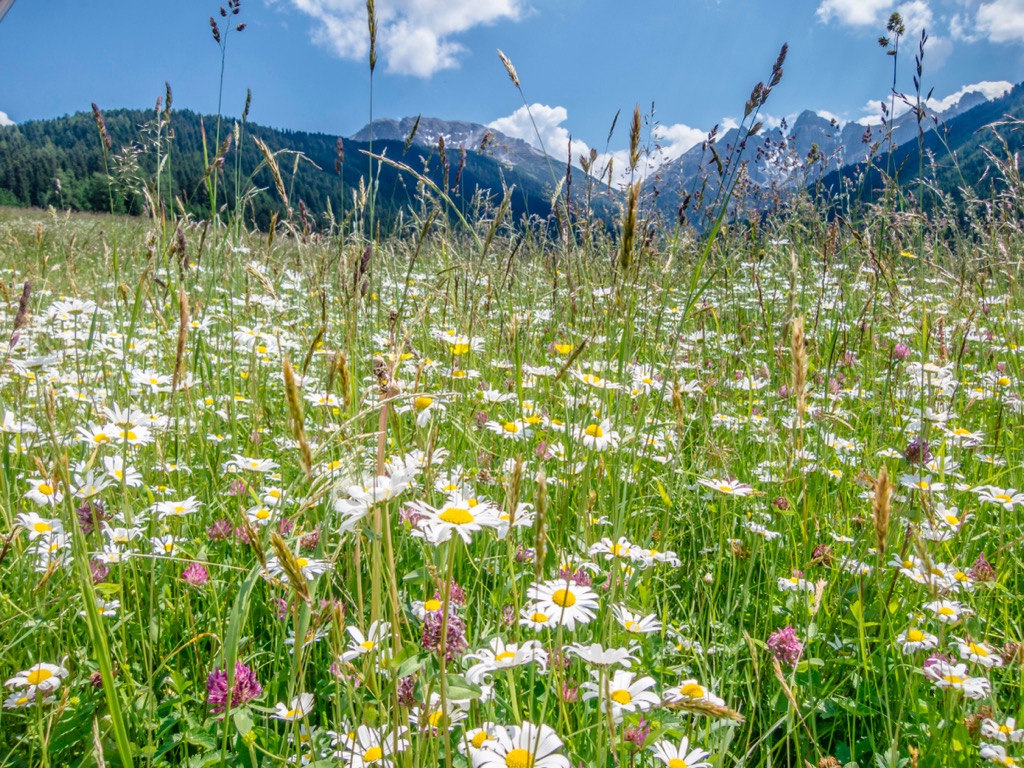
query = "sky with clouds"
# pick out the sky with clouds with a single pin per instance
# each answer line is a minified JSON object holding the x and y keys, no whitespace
{"x":579,"y":61}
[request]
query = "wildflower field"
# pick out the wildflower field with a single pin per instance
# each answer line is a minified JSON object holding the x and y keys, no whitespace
{"x":477,"y":497}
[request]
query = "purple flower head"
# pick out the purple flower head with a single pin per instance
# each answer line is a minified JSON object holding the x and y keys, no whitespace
{"x":407,"y":692}
{"x":196,"y":575}
{"x":637,"y":734}
{"x":456,"y":593}
{"x":220,"y":530}
{"x":983,"y":570}
{"x":900,"y":352}
{"x":98,"y":571}
{"x":785,"y":646}
{"x":455,"y":642}
{"x":90,"y":514}
{"x":525,"y":555}
{"x":238,"y":488}
{"x":918,"y":451}
{"x":247,"y":687}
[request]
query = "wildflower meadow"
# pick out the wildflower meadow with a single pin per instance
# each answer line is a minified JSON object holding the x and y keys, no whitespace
{"x":478,"y":492}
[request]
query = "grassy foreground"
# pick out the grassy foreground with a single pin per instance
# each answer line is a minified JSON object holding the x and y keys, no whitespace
{"x":477,"y":498}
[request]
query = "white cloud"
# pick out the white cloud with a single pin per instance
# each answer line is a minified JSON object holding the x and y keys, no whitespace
{"x":676,"y":139}
{"x":5,"y":120}
{"x":831,"y":116}
{"x":549,"y":135}
{"x":1001,"y":21}
{"x":672,"y":140}
{"x":917,"y":14}
{"x":854,"y":13}
{"x":413,"y":36}
{"x":990,"y":89}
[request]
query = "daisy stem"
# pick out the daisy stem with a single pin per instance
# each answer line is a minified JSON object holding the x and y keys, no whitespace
{"x":516,"y":715}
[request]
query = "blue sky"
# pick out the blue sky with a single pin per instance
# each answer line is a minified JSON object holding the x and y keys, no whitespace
{"x":579,"y":60}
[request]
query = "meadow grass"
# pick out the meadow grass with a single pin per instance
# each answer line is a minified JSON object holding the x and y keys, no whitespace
{"x":250,"y":479}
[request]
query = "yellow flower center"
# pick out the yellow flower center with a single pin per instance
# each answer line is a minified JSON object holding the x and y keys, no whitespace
{"x":630,"y":625}
{"x":456,"y":516}
{"x":38,"y":676}
{"x":460,"y":348}
{"x":504,"y":656}
{"x":594,"y":430}
{"x":563,"y":349}
{"x":539,"y":618}
{"x":436,"y":718}
{"x":101,"y":438}
{"x":725,"y":488}
{"x":511,"y":426}
{"x":519,"y":758}
{"x":621,"y":697}
{"x":129,"y":435}
{"x":432,"y":605}
{"x":953,"y":679}
{"x":478,"y":740}
{"x":366,"y":645}
{"x":978,"y":650}
{"x":915,"y":635}
{"x":677,"y":762}
{"x":692,"y":691}
{"x":563,"y":598}
{"x":1003,"y":381}
{"x":946,"y":611}
{"x":373,"y":754}
{"x":953,"y":520}
{"x":46,"y":489}
{"x":1002,"y":497}
{"x":262,"y":514}
{"x":301,"y":562}
{"x":42,"y":527}
{"x":422,"y":403}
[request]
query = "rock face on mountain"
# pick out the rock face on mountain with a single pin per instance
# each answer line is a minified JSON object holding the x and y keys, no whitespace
{"x":777,"y":157}
{"x":456,"y":133}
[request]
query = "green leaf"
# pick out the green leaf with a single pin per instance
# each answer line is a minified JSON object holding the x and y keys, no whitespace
{"x":243,"y":720}
{"x":460,"y":688}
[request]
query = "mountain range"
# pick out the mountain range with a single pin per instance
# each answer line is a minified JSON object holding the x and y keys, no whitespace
{"x":61,"y":162}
